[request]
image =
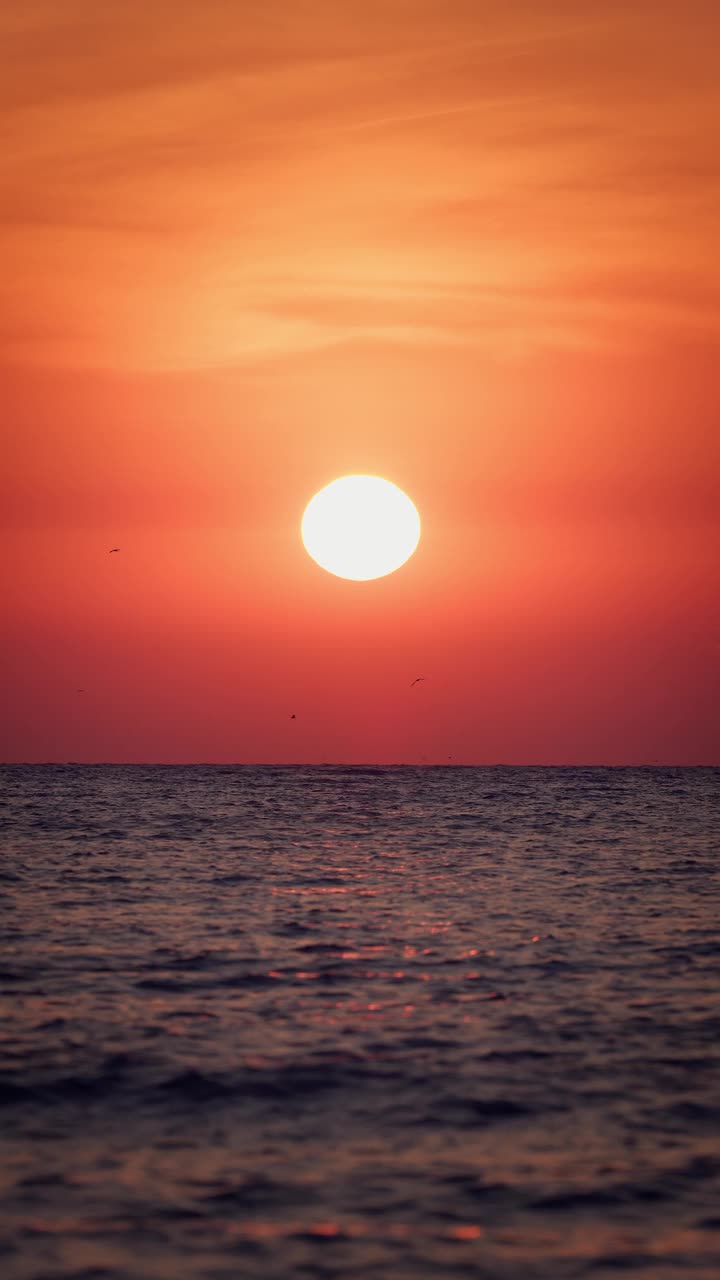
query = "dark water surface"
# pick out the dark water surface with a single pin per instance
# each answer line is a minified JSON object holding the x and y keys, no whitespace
{"x":342,"y":1022}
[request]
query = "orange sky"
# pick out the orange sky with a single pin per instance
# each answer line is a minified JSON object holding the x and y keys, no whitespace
{"x":467,"y":245}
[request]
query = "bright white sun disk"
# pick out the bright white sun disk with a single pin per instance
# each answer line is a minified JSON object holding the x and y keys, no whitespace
{"x":360,"y":527}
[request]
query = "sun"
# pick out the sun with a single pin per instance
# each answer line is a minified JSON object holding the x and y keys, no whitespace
{"x":360,"y":527}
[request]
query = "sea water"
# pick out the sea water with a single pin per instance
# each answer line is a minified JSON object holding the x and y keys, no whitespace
{"x":359,"y":1022}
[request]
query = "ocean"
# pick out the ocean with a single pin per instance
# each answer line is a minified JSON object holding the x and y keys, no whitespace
{"x":380,"y":1023}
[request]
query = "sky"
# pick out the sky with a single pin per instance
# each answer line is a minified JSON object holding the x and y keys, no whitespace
{"x":469,"y":246}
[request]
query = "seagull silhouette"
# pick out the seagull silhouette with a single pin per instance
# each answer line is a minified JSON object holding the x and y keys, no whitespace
{"x":113,"y":549}
{"x":293,"y":716}
{"x":417,"y":680}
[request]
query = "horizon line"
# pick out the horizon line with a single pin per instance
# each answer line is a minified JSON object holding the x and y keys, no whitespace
{"x":339,"y":764}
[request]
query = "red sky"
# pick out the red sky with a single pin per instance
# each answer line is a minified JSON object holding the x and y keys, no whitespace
{"x":469,"y":246}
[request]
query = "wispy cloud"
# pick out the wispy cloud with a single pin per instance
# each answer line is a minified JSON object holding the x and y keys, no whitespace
{"x":181,"y":188}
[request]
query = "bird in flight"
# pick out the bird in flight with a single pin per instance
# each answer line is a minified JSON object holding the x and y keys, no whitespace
{"x":417,"y":680}
{"x":293,"y":716}
{"x":113,"y":549}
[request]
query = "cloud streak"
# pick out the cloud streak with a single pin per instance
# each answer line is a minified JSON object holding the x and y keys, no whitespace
{"x":295,"y":183}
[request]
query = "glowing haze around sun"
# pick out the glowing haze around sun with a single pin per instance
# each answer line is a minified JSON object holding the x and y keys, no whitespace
{"x":360,"y":527}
